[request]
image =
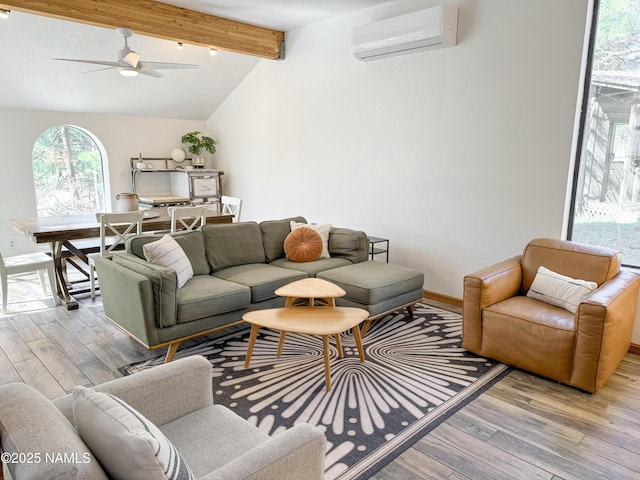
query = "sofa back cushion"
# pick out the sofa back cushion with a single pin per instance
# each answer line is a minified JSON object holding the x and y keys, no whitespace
{"x":192,"y":242}
{"x":273,"y":234}
{"x":576,"y":260}
{"x":231,"y":244}
{"x":349,"y":244}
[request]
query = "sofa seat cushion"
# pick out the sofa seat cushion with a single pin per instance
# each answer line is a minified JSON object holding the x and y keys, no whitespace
{"x":206,"y":449}
{"x":262,"y":279}
{"x":530,"y":334}
{"x":371,"y":282}
{"x":206,"y":295}
{"x":31,"y":424}
{"x":312,"y":268}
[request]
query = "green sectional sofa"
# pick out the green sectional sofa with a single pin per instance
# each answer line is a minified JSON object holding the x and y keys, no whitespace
{"x":237,"y":267}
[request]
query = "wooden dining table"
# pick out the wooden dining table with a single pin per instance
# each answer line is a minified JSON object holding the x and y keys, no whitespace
{"x":69,"y":238}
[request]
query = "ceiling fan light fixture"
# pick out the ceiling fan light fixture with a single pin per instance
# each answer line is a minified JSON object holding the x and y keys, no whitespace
{"x":128,"y":71}
{"x":4,"y":13}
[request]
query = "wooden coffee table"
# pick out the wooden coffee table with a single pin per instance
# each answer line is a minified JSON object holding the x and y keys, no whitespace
{"x":310,"y":292}
{"x":323,"y":321}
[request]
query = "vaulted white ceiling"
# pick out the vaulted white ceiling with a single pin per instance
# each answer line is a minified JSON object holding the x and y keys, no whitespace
{"x":30,"y":78}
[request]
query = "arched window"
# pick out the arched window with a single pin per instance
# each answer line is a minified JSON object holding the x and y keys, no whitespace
{"x":68,"y":172}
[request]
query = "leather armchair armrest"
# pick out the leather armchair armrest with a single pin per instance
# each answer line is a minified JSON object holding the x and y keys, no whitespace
{"x":604,"y":323}
{"x":483,"y":288}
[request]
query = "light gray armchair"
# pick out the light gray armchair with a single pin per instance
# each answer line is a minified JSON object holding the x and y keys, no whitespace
{"x":215,"y":442}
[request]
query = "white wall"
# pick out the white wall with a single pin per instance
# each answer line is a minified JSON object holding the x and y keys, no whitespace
{"x":459,"y":156}
{"x":122,"y":137}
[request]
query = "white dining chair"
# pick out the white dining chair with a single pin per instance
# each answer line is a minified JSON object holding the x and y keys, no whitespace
{"x":187,"y":218}
{"x":29,"y":262}
{"x":231,"y":206}
{"x":115,"y":228}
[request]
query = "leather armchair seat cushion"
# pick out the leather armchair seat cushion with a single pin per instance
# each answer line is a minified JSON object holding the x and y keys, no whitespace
{"x":531,"y":335}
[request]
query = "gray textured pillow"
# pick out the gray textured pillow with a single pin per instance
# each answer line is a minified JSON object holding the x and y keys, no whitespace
{"x":127,"y":445}
{"x":166,"y":252}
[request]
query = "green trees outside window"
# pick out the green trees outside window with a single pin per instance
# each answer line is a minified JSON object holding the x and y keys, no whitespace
{"x":67,"y":172}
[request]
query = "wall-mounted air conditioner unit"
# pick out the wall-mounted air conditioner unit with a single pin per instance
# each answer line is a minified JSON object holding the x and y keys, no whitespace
{"x":427,"y":29}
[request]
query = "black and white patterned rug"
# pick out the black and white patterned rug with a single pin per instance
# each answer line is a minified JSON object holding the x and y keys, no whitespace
{"x":416,"y":375}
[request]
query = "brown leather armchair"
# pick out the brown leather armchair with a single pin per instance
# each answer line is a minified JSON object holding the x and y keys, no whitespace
{"x":581,"y":349}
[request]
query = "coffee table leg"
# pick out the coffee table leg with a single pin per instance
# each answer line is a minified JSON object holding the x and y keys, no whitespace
{"x":339,"y":346}
{"x":327,"y":369}
{"x":356,"y":335}
{"x":281,"y":343}
{"x":252,"y":340}
{"x":365,"y":326}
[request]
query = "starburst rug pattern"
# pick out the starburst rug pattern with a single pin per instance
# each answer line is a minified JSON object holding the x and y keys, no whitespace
{"x":415,"y":375}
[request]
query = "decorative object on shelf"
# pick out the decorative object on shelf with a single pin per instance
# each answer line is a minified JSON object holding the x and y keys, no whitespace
{"x":198,"y":142}
{"x":178,"y":155}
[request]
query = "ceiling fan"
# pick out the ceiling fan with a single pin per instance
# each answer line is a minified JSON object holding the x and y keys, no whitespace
{"x":129,"y":64}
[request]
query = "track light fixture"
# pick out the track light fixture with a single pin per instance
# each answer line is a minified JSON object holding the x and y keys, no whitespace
{"x":4,"y":13}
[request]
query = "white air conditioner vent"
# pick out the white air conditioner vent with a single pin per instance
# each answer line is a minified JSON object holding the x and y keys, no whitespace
{"x":427,"y":29}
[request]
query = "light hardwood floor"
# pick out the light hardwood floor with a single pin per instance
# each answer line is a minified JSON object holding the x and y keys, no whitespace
{"x":523,"y":427}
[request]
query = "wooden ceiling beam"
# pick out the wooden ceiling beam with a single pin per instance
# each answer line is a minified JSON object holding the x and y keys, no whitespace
{"x":161,"y":20}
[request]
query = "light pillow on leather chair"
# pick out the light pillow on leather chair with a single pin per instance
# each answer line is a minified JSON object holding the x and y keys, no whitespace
{"x":559,"y":290}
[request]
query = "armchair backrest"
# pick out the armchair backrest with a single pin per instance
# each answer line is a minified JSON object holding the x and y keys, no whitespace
{"x":576,"y":260}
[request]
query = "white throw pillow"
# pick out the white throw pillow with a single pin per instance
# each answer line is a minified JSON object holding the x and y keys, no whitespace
{"x":127,"y":445}
{"x":322,"y":230}
{"x":560,"y":290}
{"x":166,"y":252}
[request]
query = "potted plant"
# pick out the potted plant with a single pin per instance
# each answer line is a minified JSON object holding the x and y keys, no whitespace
{"x":197,"y":143}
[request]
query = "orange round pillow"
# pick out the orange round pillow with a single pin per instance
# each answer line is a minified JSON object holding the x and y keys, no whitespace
{"x":303,"y":245}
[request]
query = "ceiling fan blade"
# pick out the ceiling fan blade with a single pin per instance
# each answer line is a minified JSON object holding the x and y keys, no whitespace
{"x":92,"y":62}
{"x":99,"y":69}
{"x":164,"y":66}
{"x":151,"y":73}
{"x":132,"y":58}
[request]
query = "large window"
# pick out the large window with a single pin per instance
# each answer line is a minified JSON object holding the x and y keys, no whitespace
{"x":606,"y":194}
{"x":67,"y":172}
